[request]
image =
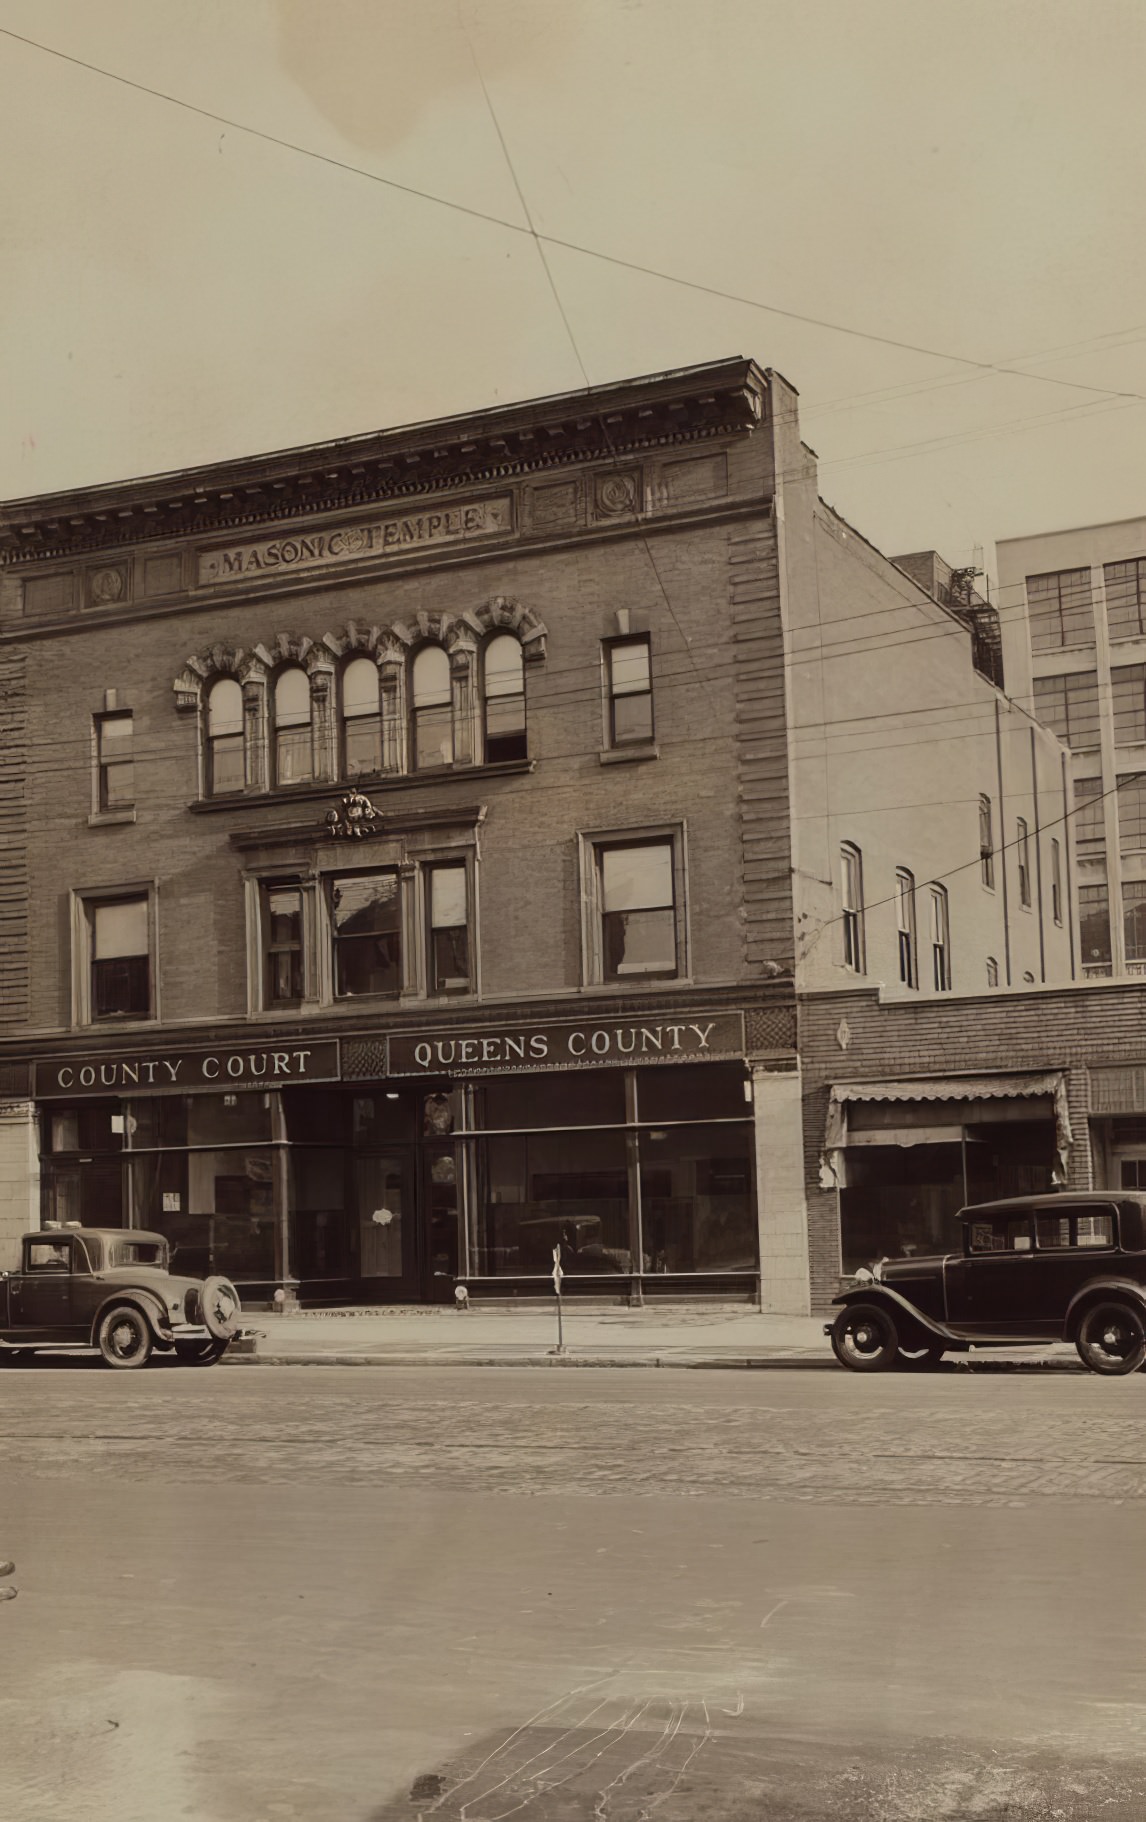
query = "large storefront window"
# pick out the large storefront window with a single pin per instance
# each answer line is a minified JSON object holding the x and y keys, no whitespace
{"x":81,"y":1173}
{"x":646,"y":1171}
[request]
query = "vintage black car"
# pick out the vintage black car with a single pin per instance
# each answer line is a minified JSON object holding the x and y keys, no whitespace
{"x":111,"y":1288}
{"x":1038,"y":1268}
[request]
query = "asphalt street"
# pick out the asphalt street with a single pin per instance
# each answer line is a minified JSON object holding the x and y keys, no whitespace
{"x":324,"y":1595}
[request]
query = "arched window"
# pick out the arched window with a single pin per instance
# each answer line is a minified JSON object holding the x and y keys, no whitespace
{"x":361,"y":718}
{"x":294,"y":748}
{"x":433,"y":741}
{"x":225,"y":768}
{"x":504,"y":700}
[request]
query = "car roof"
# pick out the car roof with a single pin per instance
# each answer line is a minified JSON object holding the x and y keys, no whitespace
{"x":1056,"y":1198}
{"x":104,"y":1233}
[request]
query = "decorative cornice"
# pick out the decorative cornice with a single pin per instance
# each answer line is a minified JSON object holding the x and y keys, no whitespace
{"x":598,"y":424}
{"x":397,"y":822}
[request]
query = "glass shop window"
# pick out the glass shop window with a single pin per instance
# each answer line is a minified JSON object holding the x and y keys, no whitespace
{"x":590,"y":1097}
{"x":693,"y":1091}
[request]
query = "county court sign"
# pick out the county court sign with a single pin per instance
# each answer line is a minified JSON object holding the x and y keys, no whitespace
{"x":669,"y":1038}
{"x":187,"y":1071}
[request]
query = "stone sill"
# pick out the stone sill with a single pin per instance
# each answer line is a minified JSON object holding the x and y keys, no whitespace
{"x":106,"y":819}
{"x":629,"y":755}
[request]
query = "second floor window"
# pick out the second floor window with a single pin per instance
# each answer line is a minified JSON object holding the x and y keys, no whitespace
{"x":986,"y":843}
{"x":851,"y":874}
{"x":433,"y":714}
{"x":284,"y":982}
{"x":114,"y":761}
{"x":504,"y":700}
{"x":361,"y":719}
{"x":940,"y":940}
{"x":448,"y":933}
{"x":1023,"y":854}
{"x":366,"y":926}
{"x":120,"y":959}
{"x":638,"y":910}
{"x":226,"y":768}
{"x":294,"y":746}
{"x":630,"y":691}
{"x":1059,"y":609}
{"x":905,"y":921}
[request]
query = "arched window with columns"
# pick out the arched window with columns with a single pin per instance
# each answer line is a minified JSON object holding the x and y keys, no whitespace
{"x":361,"y":719}
{"x":432,"y":744}
{"x":294,"y":742}
{"x":503,"y":680}
{"x":226,"y":769}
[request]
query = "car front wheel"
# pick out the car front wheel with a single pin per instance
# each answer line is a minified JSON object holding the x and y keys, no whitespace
{"x":124,"y":1337}
{"x":1112,"y":1338}
{"x":864,"y":1338}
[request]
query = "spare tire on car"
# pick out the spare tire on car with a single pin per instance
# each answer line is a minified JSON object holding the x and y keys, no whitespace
{"x":219,"y":1308}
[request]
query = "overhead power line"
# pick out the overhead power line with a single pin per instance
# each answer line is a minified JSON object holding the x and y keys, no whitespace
{"x":554,"y":240}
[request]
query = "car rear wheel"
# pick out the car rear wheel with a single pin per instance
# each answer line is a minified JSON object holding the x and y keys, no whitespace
{"x":1112,"y":1338}
{"x":200,"y":1353}
{"x":864,"y":1338}
{"x":124,"y":1337}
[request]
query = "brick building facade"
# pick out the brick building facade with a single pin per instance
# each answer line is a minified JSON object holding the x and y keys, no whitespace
{"x":414,"y":846}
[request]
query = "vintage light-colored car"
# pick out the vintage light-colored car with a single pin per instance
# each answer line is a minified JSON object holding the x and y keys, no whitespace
{"x":111,"y":1288}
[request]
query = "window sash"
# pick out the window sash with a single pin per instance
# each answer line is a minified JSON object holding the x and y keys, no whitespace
{"x":1124,"y":588}
{"x":1134,"y":919}
{"x":986,"y":843}
{"x":1059,"y":609}
{"x":1023,"y":853}
{"x":630,"y":691}
{"x":284,"y":955}
{"x":115,"y":760}
{"x":1056,"y":880}
{"x":367,"y":951}
{"x":448,"y":946}
{"x":1128,"y":694}
{"x":940,"y":940}
{"x":1094,"y":924}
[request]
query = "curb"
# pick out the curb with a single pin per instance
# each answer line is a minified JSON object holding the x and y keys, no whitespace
{"x":801,"y":1362}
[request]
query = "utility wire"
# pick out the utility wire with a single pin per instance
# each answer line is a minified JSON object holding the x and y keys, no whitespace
{"x":553,"y":240}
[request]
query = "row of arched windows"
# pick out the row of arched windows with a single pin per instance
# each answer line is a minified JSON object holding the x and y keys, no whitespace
{"x":409,"y":724}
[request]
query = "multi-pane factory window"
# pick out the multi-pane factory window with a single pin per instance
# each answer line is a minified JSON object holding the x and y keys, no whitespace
{"x":1089,"y":816}
{"x":1059,"y":610}
{"x":1069,"y":707}
{"x":1134,"y":919}
{"x":1131,"y":801}
{"x":1126,"y":598}
{"x":1094,"y":928}
{"x":1128,"y":691}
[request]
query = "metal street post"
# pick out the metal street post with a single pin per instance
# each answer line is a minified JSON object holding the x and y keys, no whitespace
{"x":558,"y":1274}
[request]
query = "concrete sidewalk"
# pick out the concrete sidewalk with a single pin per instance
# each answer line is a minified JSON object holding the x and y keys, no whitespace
{"x":528,"y":1337}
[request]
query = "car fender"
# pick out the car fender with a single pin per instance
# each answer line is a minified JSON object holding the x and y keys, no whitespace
{"x":1100,"y":1287}
{"x":146,"y":1301}
{"x":897,"y":1305}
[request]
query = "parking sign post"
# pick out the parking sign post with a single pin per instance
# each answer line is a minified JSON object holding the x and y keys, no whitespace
{"x":558,"y":1274}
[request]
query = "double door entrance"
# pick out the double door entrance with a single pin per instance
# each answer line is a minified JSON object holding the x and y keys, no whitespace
{"x":391,"y":1237}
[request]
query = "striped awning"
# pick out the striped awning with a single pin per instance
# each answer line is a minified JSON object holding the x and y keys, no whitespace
{"x":1047,"y":1084}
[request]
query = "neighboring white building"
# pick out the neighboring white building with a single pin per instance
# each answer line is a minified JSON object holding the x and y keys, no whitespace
{"x":1073,"y":607}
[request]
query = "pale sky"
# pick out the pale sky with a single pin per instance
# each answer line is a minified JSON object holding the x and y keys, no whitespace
{"x":962,"y":175}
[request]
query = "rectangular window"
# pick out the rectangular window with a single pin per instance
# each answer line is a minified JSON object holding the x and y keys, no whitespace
{"x":1089,"y":816}
{"x":1059,"y":610}
{"x":1126,"y":598}
{"x":365,"y":920}
{"x":284,"y":968}
{"x":1094,"y":928}
{"x":1056,"y":880}
{"x":638,"y":910}
{"x":992,"y":972}
{"x":1134,"y":919}
{"x":114,"y":762}
{"x":1128,"y":694}
{"x":905,"y":922}
{"x":1023,"y":853}
{"x":1131,"y":801}
{"x":940,"y":940}
{"x":1069,"y":707}
{"x":986,"y":844}
{"x":120,"y":958}
{"x":630,"y":691}
{"x":851,"y":879}
{"x":448,"y":945}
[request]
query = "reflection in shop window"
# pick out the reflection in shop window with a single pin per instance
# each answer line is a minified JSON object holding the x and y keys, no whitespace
{"x":217,"y":1209}
{"x":365,"y":916}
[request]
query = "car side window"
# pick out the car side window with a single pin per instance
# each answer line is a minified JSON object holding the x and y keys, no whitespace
{"x":1057,"y":1232}
{"x":1000,"y":1236}
{"x":48,"y":1256}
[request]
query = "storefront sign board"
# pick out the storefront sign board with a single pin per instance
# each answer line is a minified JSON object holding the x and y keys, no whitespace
{"x":671,"y":1037}
{"x":187,"y":1071}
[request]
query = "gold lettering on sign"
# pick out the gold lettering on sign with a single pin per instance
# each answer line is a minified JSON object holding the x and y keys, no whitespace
{"x":348,"y":543}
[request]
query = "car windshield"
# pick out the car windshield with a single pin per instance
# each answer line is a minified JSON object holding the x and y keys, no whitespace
{"x":137,"y":1252}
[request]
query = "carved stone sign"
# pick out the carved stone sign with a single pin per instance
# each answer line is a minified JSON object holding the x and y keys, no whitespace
{"x":655,"y":1037}
{"x":251,"y":1065}
{"x":391,"y":536}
